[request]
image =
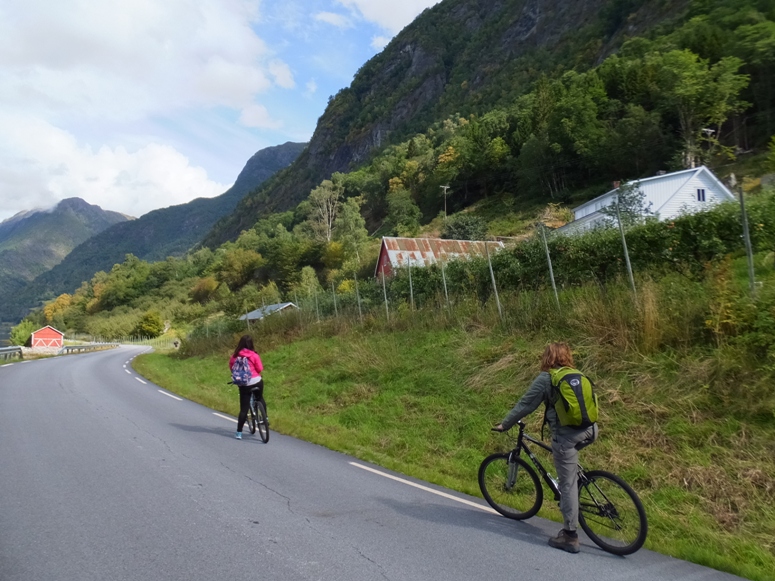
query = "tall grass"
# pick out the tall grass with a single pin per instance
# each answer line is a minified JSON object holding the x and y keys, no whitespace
{"x":685,"y":369}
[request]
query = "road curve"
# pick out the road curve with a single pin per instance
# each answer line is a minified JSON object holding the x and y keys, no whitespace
{"x":105,"y":476}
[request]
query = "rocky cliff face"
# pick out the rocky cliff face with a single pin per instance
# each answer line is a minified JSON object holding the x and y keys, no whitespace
{"x":459,"y":57}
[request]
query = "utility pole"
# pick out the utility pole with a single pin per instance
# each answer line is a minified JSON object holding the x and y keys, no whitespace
{"x":445,"y":188}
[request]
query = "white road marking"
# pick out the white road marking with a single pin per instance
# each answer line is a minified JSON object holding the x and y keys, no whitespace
{"x":170,"y":395}
{"x":425,"y":488}
{"x":129,"y":372}
{"x":225,"y":417}
{"x":6,"y":365}
{"x":28,"y":361}
{"x":124,"y":365}
{"x":141,"y":381}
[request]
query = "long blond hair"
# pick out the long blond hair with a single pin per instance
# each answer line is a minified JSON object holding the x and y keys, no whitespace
{"x":556,"y":355}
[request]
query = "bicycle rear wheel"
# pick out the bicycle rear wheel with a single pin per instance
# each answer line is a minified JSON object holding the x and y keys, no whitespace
{"x":261,"y":422}
{"x":511,"y":488}
{"x":611,"y":513}
{"x":251,"y":421}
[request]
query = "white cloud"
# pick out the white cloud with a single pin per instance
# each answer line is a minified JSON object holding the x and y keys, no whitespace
{"x":311,"y":88}
{"x":41,"y":164}
{"x":256,"y":115}
{"x":392,"y":15}
{"x":282,"y":74}
{"x":333,"y":19}
{"x":130,"y":58}
{"x":379,"y":42}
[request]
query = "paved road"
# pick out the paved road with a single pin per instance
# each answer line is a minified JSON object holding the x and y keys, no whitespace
{"x":103,"y":476}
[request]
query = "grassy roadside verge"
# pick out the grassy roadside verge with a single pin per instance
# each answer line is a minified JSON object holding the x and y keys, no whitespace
{"x":421,"y":402}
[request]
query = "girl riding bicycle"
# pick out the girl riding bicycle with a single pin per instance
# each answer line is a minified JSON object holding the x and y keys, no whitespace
{"x":255,"y":384}
{"x":566,"y":440}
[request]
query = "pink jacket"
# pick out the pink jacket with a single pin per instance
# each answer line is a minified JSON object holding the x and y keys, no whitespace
{"x":255,"y":362}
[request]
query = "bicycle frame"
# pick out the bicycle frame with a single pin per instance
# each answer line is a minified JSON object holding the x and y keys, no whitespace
{"x":551,"y":482}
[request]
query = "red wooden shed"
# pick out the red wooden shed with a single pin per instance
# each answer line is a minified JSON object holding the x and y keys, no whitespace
{"x":48,"y":336}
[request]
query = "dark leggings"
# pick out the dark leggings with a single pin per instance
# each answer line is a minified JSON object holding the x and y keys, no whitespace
{"x":244,"y":401}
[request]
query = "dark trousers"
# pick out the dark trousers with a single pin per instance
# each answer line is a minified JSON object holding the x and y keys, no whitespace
{"x":244,"y":401}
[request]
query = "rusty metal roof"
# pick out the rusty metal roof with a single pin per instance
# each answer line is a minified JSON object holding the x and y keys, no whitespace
{"x":427,"y":251}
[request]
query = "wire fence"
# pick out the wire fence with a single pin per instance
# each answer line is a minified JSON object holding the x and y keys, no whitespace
{"x":160,"y":343}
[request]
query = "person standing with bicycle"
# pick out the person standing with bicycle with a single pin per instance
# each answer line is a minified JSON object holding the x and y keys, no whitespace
{"x":245,"y":355}
{"x":567,"y":438}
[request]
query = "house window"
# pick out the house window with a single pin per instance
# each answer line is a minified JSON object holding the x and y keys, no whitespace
{"x":700,"y":194}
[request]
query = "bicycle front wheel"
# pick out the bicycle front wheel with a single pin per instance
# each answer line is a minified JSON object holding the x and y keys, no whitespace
{"x":261,"y":421}
{"x":511,"y":488}
{"x":611,"y":513}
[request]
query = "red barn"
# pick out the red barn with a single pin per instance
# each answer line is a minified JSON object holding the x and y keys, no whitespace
{"x":48,"y":336}
{"x":400,"y":252}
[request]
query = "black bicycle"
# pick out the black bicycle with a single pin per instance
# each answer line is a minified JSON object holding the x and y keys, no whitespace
{"x":609,"y":510}
{"x":256,"y":419}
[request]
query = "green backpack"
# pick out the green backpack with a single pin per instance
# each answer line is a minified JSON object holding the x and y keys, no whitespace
{"x":574,"y":397}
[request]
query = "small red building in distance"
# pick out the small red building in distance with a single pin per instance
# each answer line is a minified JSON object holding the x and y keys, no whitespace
{"x":47,"y":337}
{"x":400,"y":252}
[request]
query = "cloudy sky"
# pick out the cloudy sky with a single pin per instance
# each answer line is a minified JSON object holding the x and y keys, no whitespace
{"x":140,"y":104}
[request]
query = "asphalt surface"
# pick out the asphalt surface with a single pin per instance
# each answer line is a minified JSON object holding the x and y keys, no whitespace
{"x":103,"y":476}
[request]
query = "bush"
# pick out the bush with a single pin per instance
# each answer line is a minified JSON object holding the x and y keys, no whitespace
{"x":151,"y":325}
{"x":21,"y":333}
{"x":464,"y":226}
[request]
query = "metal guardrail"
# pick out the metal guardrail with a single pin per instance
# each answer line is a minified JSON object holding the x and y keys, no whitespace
{"x":67,"y":349}
{"x":10,"y":352}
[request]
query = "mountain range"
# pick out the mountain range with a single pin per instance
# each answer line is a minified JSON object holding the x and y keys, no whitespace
{"x":44,"y":254}
{"x":34,"y":241}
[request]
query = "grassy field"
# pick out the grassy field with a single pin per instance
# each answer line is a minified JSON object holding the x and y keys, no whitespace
{"x":682,"y":425}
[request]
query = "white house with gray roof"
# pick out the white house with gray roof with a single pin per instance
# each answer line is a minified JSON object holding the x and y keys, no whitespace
{"x":669,"y":195}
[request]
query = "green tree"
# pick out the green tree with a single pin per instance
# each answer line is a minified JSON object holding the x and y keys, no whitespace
{"x":324,"y":203}
{"x":702,"y":96}
{"x":22,"y":332}
{"x":150,"y":325}
{"x":350,"y":228}
{"x":632,"y":205}
{"x":308,"y":284}
{"x":204,"y":289}
{"x":403,"y":213}
{"x":238,"y":267}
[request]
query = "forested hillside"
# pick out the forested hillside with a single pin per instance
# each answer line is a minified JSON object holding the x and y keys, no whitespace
{"x":459,"y":58}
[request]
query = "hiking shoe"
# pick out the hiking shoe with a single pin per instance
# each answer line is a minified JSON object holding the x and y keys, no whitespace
{"x":238,"y":435}
{"x":565,"y":541}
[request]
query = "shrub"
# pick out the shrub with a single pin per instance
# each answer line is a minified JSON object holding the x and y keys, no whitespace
{"x":464,"y":226}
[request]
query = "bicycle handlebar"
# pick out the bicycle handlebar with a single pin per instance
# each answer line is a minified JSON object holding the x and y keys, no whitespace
{"x":520,"y":423}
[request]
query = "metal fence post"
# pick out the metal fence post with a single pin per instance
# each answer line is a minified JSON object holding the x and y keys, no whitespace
{"x":411,"y":288}
{"x":549,"y":260}
{"x":384,"y":292}
{"x":444,"y":281}
{"x":746,"y":233}
{"x":358,"y":298}
{"x":624,"y":245}
{"x":333,"y":293}
{"x":492,"y":276}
